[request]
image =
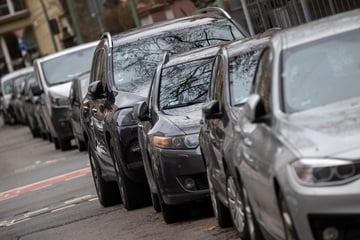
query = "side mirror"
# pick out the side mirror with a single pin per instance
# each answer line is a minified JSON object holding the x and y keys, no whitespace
{"x":95,"y":89}
{"x":254,"y":110}
{"x":141,"y":111}
{"x":211,"y":110}
{"x":36,"y":90}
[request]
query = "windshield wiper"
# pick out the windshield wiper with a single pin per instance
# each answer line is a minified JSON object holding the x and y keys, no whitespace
{"x":181,"y":105}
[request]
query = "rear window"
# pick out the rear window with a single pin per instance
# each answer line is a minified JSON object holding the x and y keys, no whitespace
{"x":135,"y":63}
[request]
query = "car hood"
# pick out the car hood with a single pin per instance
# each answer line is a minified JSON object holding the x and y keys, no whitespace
{"x":187,"y":119}
{"x":61,"y":90}
{"x":126,"y":99}
{"x":328,"y":131}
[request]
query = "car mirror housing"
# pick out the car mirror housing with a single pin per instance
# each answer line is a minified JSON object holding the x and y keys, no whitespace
{"x":36,"y":90}
{"x":254,"y":109}
{"x":141,"y":111}
{"x":95,"y":89}
{"x":211,"y":110}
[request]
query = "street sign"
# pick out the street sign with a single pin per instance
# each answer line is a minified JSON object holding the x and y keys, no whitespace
{"x":24,"y":45}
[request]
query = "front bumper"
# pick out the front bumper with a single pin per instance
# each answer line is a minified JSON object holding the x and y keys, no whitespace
{"x":130,"y":150}
{"x":181,"y":175}
{"x":318,"y":211}
{"x":60,"y":118}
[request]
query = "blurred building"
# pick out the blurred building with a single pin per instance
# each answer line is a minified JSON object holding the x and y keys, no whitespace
{"x":29,"y":29}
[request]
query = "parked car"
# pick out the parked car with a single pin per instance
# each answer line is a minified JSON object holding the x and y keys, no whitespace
{"x":298,"y":159}
{"x":121,"y":74}
{"x":168,"y":131}
{"x":78,"y":91}
{"x":29,"y":105}
{"x":54,"y":74}
{"x":7,"y":83}
{"x":230,"y":86}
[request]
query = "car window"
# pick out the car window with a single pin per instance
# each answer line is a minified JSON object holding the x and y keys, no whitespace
{"x":185,"y":84}
{"x":322,"y":72}
{"x":135,"y":62}
{"x":241,"y":75}
{"x":65,"y":68}
{"x":8,"y":86}
{"x":263,"y":78}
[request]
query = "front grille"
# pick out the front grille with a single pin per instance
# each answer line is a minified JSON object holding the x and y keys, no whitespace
{"x":346,"y":226}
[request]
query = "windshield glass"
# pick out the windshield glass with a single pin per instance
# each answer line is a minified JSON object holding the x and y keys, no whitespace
{"x":322,"y":72}
{"x":64,"y":68}
{"x":185,"y":84}
{"x":8,"y":86}
{"x":241,"y":75}
{"x":135,"y":63}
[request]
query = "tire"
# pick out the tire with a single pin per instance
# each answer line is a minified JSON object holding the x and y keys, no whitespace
{"x":81,"y":145}
{"x":65,"y":144}
{"x":133,"y":195}
{"x":171,"y":213}
{"x":107,"y":192}
{"x":221,"y":212}
{"x":56,"y":143}
{"x":286,"y":218}
{"x":155,"y":202}
{"x":251,"y":222}
{"x":236,"y":208}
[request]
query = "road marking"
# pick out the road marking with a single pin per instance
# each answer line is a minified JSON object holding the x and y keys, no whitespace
{"x":44,"y":183}
{"x":79,"y":199}
{"x":36,"y":212}
{"x":62,"y":208}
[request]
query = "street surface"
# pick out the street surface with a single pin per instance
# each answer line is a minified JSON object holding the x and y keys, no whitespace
{"x":49,"y":194}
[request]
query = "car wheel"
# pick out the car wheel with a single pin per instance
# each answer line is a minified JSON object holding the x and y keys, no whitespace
{"x":155,"y":202}
{"x":65,"y":144}
{"x":56,"y":143}
{"x":133,"y":195}
{"x":107,"y":192}
{"x":81,"y":145}
{"x":251,"y":222}
{"x":236,"y":208}
{"x":286,"y":218}
{"x":221,"y":212}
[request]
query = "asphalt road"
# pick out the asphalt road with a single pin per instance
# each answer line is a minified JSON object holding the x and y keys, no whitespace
{"x":49,"y":194}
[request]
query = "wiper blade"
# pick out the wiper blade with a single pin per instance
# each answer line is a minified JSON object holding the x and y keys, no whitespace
{"x":180,"y":105}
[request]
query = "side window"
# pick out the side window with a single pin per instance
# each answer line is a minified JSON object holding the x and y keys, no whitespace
{"x":263,"y":78}
{"x":218,"y":82}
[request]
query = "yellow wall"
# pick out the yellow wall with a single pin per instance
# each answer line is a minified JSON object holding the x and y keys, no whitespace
{"x":40,"y":25}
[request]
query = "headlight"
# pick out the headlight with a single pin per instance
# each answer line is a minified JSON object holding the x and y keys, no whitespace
{"x":325,"y":171}
{"x":125,"y":117}
{"x":58,"y":101}
{"x":186,"y":141}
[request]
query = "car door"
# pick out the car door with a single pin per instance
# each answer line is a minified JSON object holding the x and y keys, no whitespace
{"x":213,"y":129}
{"x":97,"y":110}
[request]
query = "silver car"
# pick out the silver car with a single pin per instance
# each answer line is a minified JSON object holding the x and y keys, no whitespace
{"x":298,"y":157}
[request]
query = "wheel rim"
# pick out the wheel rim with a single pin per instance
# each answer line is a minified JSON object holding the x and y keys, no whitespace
{"x":236,"y":206}
{"x":249,"y":216}
{"x":212,"y":194}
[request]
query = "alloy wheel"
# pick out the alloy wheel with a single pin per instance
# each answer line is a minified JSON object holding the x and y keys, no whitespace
{"x":236,"y":206}
{"x":212,"y":195}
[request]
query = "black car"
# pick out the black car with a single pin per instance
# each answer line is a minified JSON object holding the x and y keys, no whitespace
{"x":169,"y":131}
{"x":78,"y":91}
{"x":121,"y":73}
{"x":231,"y":84}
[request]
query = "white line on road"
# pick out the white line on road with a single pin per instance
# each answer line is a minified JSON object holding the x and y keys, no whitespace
{"x":62,"y":208}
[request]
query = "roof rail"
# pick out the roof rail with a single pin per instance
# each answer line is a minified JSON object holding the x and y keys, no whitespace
{"x":214,"y":9}
{"x":108,"y":36}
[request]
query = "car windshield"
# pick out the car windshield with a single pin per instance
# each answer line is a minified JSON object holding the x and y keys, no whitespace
{"x":185,"y":84}
{"x":64,"y":68}
{"x":322,"y":72}
{"x":8,"y":86}
{"x":135,"y":63}
{"x":241,"y":75}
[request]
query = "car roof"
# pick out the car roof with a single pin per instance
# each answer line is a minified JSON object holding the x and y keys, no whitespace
{"x":169,"y":25}
{"x":194,"y":55}
{"x":67,"y":51}
{"x":240,"y":46}
{"x":17,"y":73}
{"x":318,"y":29}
